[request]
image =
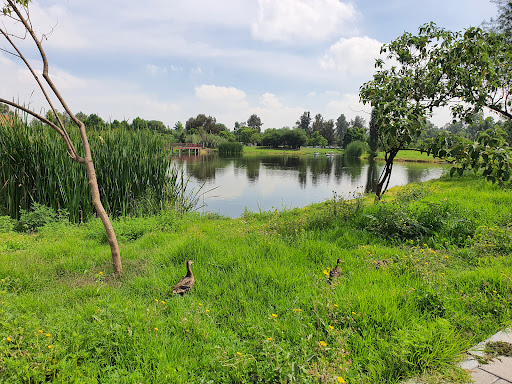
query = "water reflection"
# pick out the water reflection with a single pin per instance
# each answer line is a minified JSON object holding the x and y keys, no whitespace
{"x":267,"y":182}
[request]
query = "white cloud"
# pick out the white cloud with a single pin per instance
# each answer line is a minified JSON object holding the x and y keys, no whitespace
{"x":155,"y":70}
{"x":355,"y":56}
{"x":302,"y":20}
{"x":269,"y":100}
{"x":219,"y":93}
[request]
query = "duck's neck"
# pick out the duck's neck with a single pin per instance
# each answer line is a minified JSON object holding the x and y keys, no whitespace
{"x":189,"y":271}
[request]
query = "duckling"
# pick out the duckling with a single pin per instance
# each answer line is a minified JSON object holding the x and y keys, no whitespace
{"x":335,"y":272}
{"x":186,"y":282}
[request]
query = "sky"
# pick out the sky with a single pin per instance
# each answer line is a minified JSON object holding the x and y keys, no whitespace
{"x":170,"y":60}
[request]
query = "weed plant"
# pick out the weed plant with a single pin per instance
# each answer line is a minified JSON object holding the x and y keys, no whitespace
{"x":261,"y":310}
{"x":133,"y":169}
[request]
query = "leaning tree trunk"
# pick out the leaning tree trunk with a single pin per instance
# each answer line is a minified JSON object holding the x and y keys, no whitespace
{"x":385,"y":176}
{"x":10,"y":8}
{"x":96,"y":201}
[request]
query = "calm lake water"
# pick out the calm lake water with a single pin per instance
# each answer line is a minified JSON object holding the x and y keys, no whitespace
{"x":262,"y":183}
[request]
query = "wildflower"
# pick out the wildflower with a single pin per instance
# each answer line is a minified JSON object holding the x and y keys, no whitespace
{"x":341,"y":380}
{"x":331,"y":327}
{"x":325,"y":272}
{"x":207,"y":310}
{"x":269,"y":338}
{"x":335,"y":305}
{"x":274,"y":315}
{"x":163,"y":302}
{"x":494,"y":292}
{"x":9,"y":339}
{"x":48,"y":335}
{"x":2,"y":280}
{"x":40,"y":331}
{"x":323,"y":343}
{"x":156,"y":300}
{"x":156,"y":329}
{"x":239,"y":353}
{"x":101,"y":273}
{"x":199,"y":304}
{"x":297,"y":310}
{"x":50,"y":346}
{"x":353,"y":313}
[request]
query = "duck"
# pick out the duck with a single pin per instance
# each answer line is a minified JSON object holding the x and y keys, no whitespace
{"x":186,"y":282}
{"x":335,"y":272}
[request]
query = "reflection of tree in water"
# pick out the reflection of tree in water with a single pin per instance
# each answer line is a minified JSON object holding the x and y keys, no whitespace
{"x":320,"y":165}
{"x":415,"y":172}
{"x":371,"y":177}
{"x":203,"y":167}
{"x":353,"y":167}
{"x":250,"y":164}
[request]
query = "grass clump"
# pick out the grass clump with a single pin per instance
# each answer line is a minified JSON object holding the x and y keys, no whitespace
{"x":261,"y":309}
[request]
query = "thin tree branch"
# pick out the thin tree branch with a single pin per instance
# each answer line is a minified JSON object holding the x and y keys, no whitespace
{"x":43,"y":119}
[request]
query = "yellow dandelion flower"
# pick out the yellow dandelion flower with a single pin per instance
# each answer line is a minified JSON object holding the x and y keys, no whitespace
{"x":156,"y":329}
{"x":323,"y":343}
{"x":239,"y":353}
{"x":48,"y":335}
{"x":9,"y":339}
{"x":494,"y":291}
{"x":163,"y":302}
{"x":40,"y":330}
{"x":297,"y":310}
{"x":353,"y":313}
{"x":274,"y":315}
{"x":325,"y":272}
{"x":331,"y":327}
{"x":335,"y":305}
{"x":269,"y":338}
{"x":341,"y":379}
{"x":50,"y":346}
{"x":101,"y":273}
{"x":199,"y":304}
{"x":207,"y":310}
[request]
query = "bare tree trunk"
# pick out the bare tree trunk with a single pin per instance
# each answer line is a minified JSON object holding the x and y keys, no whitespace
{"x":100,"y":210}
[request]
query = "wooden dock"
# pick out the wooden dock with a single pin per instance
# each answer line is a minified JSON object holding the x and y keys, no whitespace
{"x":189,"y":147}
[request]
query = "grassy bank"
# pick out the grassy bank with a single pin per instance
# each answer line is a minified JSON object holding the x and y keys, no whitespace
{"x":426,"y":275}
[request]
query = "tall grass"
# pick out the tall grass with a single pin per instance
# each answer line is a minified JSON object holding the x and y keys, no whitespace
{"x":230,"y":148}
{"x":133,"y":169}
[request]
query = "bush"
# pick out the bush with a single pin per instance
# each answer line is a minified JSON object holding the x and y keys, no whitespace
{"x":355,"y":149}
{"x":39,"y":216}
{"x":6,"y":224}
{"x":230,"y":148}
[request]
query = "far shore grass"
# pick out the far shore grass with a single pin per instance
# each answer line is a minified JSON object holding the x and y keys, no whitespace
{"x":426,"y":274}
{"x":404,"y":155}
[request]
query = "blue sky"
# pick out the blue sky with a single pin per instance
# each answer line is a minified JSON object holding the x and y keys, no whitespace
{"x":169,"y":60}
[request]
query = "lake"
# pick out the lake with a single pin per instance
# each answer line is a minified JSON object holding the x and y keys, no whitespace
{"x":263,"y":183}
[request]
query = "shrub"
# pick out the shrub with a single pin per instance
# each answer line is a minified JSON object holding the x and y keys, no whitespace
{"x":355,"y":149}
{"x":230,"y":148}
{"x":6,"y":224}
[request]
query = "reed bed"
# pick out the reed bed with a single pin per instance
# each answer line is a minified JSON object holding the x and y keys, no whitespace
{"x":134,"y":172}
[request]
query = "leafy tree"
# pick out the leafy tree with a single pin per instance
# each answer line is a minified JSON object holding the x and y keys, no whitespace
{"x":373,"y":137}
{"x":437,"y":68}
{"x":254,"y":122}
{"x":318,"y":123}
{"x":245,"y":135}
{"x":139,"y":123}
{"x":503,"y":23}
{"x":230,"y":136}
{"x":317,"y":140}
{"x":207,"y":122}
{"x":353,"y":134}
{"x":304,"y":123}
{"x":157,"y":126}
{"x":18,"y":11}
{"x":93,"y":121}
{"x":327,"y":131}
{"x":179,"y":132}
{"x":81,"y":116}
{"x":358,"y":121}
{"x":341,"y":127}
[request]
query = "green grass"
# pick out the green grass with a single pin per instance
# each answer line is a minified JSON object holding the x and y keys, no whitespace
{"x":261,"y":310}
{"x":411,"y":155}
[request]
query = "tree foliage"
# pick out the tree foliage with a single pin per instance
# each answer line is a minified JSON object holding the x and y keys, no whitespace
{"x":254,"y":122}
{"x":466,"y":71}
